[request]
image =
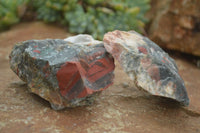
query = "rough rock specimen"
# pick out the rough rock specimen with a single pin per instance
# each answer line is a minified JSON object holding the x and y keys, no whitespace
{"x":147,"y":64}
{"x":66,"y":73}
{"x":175,"y":24}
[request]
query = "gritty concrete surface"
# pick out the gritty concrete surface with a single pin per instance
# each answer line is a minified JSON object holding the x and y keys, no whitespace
{"x":121,"y":108}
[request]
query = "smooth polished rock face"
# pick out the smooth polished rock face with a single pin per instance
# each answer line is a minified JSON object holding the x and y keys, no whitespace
{"x":146,"y":64}
{"x":67,"y":73}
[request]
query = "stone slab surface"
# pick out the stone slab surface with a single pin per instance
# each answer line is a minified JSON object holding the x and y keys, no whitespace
{"x":120,"y":108}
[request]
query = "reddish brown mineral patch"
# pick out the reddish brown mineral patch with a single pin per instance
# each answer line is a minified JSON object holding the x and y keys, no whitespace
{"x":67,"y":76}
{"x":143,"y":50}
{"x":36,"y":51}
{"x":72,"y":74}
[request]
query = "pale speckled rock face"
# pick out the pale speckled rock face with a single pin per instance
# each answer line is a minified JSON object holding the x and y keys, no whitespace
{"x":146,"y":64}
{"x":64,"y":72}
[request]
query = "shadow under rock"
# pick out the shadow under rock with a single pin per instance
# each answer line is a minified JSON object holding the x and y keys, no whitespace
{"x":167,"y":102}
{"x":142,"y":98}
{"x":22,"y":88}
{"x":40,"y":100}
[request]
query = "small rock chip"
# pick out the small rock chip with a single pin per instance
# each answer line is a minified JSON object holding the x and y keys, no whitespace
{"x":146,"y":64}
{"x":67,"y":73}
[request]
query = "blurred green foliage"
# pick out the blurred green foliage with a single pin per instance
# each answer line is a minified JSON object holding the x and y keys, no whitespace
{"x":10,"y":12}
{"x":95,"y":17}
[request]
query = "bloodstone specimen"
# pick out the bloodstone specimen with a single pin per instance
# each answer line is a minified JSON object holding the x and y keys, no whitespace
{"x":66,"y":73}
{"x":147,"y":64}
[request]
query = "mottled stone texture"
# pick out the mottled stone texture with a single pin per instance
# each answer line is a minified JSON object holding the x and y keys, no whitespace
{"x":175,"y":24}
{"x":64,"y":72}
{"x":146,"y":64}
